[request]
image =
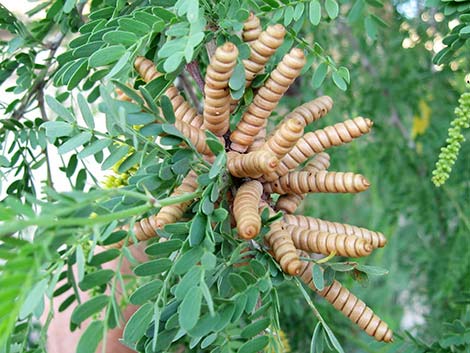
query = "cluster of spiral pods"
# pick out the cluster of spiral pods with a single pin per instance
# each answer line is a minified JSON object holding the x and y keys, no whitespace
{"x":286,"y":161}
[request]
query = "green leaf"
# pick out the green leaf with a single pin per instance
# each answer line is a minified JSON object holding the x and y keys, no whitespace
{"x":153,"y":267}
{"x":344,"y":73}
{"x":188,"y":260}
{"x":35,"y":296}
{"x":120,"y":37}
{"x":356,"y":11}
{"x":80,"y":260}
{"x":164,"y":248}
{"x":75,"y":142}
{"x":91,"y":338}
{"x":316,"y":344}
{"x":106,"y":56}
{"x":190,"y":309}
{"x":191,"y":279}
{"x":314,"y":13}
{"x":86,"y":112}
{"x":138,"y":324}
{"x":334,"y":341}
{"x":197,"y":230}
{"x":157,"y":86}
{"x":89,"y":308}
{"x":339,"y":81}
{"x":372,"y":270}
{"x":237,"y":80}
{"x":341,"y":266}
{"x":59,"y":109}
{"x":317,"y":277}
{"x":319,"y":75}
{"x":332,"y":8}
{"x":254,"y":328}
{"x":146,"y":292}
{"x":95,"y":279}
{"x":173,"y":62}
{"x":93,"y":148}
{"x":167,"y":109}
{"x":218,"y":165}
{"x":103,"y":257}
{"x":56,"y":129}
{"x":255,"y":345}
{"x":114,"y":157}
{"x":371,"y":27}
{"x":237,"y":282}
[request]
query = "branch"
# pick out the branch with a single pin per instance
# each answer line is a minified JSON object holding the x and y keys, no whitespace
{"x":193,"y":69}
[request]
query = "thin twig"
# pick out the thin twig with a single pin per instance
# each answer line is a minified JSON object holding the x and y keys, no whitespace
{"x":195,"y":72}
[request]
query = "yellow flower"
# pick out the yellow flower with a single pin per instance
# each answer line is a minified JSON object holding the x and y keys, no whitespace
{"x":421,"y":123}
{"x":282,"y":340}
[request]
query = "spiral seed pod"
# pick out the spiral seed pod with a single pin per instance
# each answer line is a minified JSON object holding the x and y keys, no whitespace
{"x":120,"y":95}
{"x":352,"y":307}
{"x":259,"y":140}
{"x":290,"y":202}
{"x":322,"y":181}
{"x":252,"y":165}
{"x":319,"y":140}
{"x":262,"y":49}
{"x":285,"y":138}
{"x":377,"y":239}
{"x":172,"y":213}
{"x":310,"y":111}
{"x":146,"y":69}
{"x":251,"y":29}
{"x":267,"y":99}
{"x":217,"y":95}
{"x":183,"y":111}
{"x":283,"y":247}
{"x":325,"y":243}
{"x":245,"y":209}
{"x":195,"y":135}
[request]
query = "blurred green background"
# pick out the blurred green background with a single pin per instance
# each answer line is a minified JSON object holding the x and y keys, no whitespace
{"x":412,"y":102}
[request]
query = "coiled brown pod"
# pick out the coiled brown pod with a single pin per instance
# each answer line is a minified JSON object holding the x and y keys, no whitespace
{"x":251,"y":29}
{"x":195,"y":135}
{"x":322,"y":181}
{"x":143,"y":230}
{"x":259,"y":140}
{"x":245,"y":209}
{"x":351,"y":307}
{"x":290,"y":202}
{"x":262,"y":49}
{"x":283,"y":247}
{"x":120,"y":95}
{"x":311,"y":111}
{"x":252,"y":165}
{"x":319,"y":140}
{"x":285,"y":138}
{"x":217,"y":95}
{"x":183,"y":111}
{"x":377,"y":239}
{"x":172,"y":213}
{"x":146,"y":69}
{"x":325,"y":243}
{"x":267,"y":99}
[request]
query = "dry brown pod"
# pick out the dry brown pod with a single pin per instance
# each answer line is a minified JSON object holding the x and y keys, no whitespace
{"x":322,"y":181}
{"x":320,"y":140}
{"x":377,"y":239}
{"x":266,"y":100}
{"x":251,"y":165}
{"x":262,"y":49}
{"x":172,"y":213}
{"x":352,"y":307}
{"x":285,"y":138}
{"x":282,"y":246}
{"x":251,"y":29}
{"x":245,"y":209}
{"x":326,"y":243}
{"x":217,"y":94}
{"x":195,"y":135}
{"x":290,"y":202}
{"x":183,"y":111}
